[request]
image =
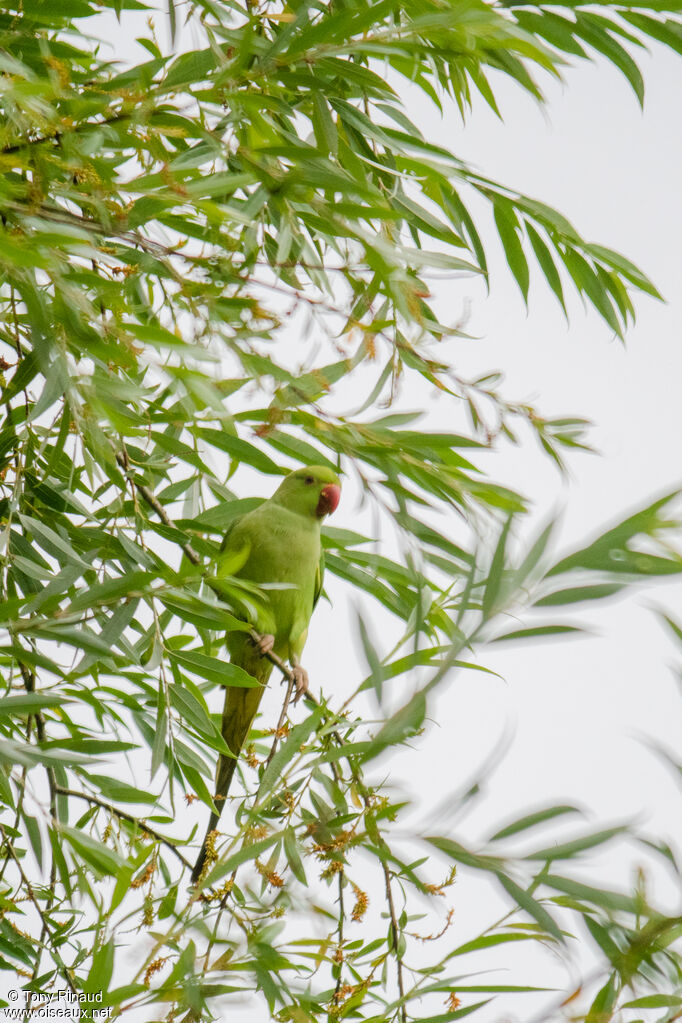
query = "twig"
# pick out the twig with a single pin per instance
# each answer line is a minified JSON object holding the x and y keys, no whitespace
{"x":342,"y":914}
{"x":221,"y":909}
{"x":280,"y":723}
{"x":17,"y":816}
{"x":154,"y":503}
{"x":394,"y":930}
{"x":126,"y":817}
{"x":41,"y":914}
{"x":362,"y":792}
{"x":30,"y":685}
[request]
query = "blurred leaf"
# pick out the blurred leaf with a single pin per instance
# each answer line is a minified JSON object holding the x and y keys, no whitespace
{"x":534,"y":908}
{"x":29,"y":703}
{"x":401,"y":726}
{"x":539,"y":630}
{"x":532,"y":820}
{"x":566,"y":850}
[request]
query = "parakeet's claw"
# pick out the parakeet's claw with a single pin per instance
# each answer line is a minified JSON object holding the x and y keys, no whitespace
{"x":265,"y":644}
{"x":300,"y":681}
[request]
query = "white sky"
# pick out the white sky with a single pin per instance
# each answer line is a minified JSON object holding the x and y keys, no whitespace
{"x":578,"y":709}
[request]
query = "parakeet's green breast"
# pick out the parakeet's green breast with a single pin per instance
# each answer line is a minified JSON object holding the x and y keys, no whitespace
{"x":281,"y":543}
{"x":284,"y":549}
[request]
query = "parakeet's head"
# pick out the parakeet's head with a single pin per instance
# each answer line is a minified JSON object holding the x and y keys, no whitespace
{"x":313,"y":491}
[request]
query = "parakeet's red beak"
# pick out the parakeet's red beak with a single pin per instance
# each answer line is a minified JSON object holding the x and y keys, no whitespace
{"x":330,"y":495}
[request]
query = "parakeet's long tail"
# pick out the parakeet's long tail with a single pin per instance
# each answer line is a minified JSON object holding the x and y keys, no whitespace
{"x":238,"y":713}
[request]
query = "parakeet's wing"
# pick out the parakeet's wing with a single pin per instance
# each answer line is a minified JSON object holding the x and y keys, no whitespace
{"x":230,"y":528}
{"x":319,"y":576}
{"x":234,"y":550}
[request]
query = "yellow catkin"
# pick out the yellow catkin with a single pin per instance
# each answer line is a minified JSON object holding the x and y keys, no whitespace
{"x":271,"y":876}
{"x":361,"y":904}
{"x":146,"y":875}
{"x":439,"y":889}
{"x":148,"y":911}
{"x":211,"y":854}
{"x":154,"y":968}
{"x":219,"y":893}
{"x":335,"y":867}
{"x":342,"y":994}
{"x":250,"y":756}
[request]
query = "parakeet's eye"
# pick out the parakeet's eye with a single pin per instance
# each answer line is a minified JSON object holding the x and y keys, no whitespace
{"x":310,"y":479}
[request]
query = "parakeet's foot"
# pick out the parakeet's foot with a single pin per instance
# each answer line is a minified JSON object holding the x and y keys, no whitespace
{"x":265,"y":644}
{"x":300,"y":681}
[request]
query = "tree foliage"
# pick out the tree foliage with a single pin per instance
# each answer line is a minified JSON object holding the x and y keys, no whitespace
{"x":205,"y":254}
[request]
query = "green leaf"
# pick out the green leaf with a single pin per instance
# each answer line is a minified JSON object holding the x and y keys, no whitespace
{"x":532,"y":820}
{"x":612,"y":551}
{"x":288,"y":750}
{"x":28,"y":756}
{"x":202,"y":613}
{"x":654,"y":1002}
{"x":221,"y":516}
{"x":51,"y":541}
{"x":578,"y":594}
{"x":595,"y":31}
{"x":493,"y":584}
{"x":112,"y":590}
{"x":118,"y":791}
{"x":401,"y":726}
{"x":376,"y":678}
{"x":491,"y":941}
{"x":29,"y":703}
{"x":102,"y":969}
{"x":449,"y":1017}
{"x":609,"y":900}
{"x":603,"y":1005}
{"x":534,"y":908}
{"x":212,"y":669}
{"x":103,"y":860}
{"x":544,"y":258}
{"x":194,"y":712}
{"x":508,"y":229}
{"x":538,"y":630}
{"x":567,"y":850}
{"x":458,"y":853}
{"x":323,"y":125}
{"x":293,"y":855}
{"x":240,"y":450}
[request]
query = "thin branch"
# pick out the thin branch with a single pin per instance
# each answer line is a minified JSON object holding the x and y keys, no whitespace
{"x":126,"y":817}
{"x":282,"y":717}
{"x":31,"y":894}
{"x":395,"y":935}
{"x":154,"y":503}
{"x":17,"y":815}
{"x":342,"y":913}
{"x":30,"y":684}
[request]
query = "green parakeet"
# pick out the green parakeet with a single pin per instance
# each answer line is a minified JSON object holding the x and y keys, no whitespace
{"x":278,"y":542}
